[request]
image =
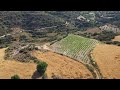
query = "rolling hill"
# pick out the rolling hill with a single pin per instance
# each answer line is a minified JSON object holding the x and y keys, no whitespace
{"x":58,"y":68}
{"x":9,"y":68}
{"x":63,"y":67}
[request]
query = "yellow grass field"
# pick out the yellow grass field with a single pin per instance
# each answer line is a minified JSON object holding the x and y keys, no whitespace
{"x":63,"y":66}
{"x":108,"y":60}
{"x":9,"y":68}
{"x":57,"y":64}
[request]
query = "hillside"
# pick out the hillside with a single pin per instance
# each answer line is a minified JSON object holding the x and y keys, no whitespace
{"x":31,"y":20}
{"x":9,"y":68}
{"x":76,"y":47}
{"x":63,"y":67}
{"x":57,"y":67}
{"x":107,"y":58}
{"x":45,"y":26}
{"x":67,"y":44}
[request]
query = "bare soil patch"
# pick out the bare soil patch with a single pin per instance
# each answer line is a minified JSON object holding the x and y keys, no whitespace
{"x":93,"y":30}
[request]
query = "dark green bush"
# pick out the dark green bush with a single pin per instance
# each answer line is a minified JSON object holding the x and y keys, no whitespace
{"x":41,"y":67}
{"x":15,"y":77}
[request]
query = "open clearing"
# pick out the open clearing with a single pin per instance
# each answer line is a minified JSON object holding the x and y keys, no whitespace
{"x":93,"y":30}
{"x":117,"y":38}
{"x":9,"y":68}
{"x":63,"y":66}
{"x":108,"y":60}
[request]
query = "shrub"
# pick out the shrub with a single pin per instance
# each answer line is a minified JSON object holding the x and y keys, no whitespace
{"x":41,"y":67}
{"x":118,"y":44}
{"x":115,"y":42}
{"x":35,"y":60}
{"x":108,"y":42}
{"x":15,"y":77}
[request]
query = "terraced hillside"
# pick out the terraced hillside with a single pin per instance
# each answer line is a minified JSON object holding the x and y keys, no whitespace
{"x":76,"y":47}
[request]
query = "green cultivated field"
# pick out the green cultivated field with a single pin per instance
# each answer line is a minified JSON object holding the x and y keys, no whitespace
{"x":76,"y":47}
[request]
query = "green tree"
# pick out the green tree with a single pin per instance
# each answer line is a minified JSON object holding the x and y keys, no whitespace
{"x":15,"y":77}
{"x":41,"y":67}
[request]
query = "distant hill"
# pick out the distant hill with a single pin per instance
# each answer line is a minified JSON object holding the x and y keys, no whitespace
{"x":38,"y":19}
{"x":47,"y":26}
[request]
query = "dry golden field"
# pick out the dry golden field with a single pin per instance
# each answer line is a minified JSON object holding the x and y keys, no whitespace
{"x":63,"y":66}
{"x":108,"y":60}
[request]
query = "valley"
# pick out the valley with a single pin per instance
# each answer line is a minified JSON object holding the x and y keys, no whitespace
{"x":59,"y":44}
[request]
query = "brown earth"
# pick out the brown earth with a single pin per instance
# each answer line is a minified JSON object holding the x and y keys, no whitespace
{"x":63,"y":66}
{"x":93,"y":30}
{"x":9,"y":68}
{"x":117,"y":38}
{"x":108,"y":60}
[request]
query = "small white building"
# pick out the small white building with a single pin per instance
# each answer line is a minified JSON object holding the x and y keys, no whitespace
{"x":81,"y":18}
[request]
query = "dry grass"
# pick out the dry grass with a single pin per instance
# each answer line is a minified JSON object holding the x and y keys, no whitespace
{"x":108,"y":60}
{"x":117,"y":38}
{"x":57,"y":64}
{"x":9,"y":68}
{"x":63,"y":66}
